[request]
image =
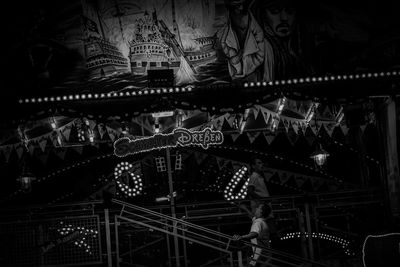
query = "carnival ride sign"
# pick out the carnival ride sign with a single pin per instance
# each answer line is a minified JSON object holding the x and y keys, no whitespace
{"x":179,"y":137}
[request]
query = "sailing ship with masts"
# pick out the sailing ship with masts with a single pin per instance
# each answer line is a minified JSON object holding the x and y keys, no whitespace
{"x":154,"y":46}
{"x":103,"y":58}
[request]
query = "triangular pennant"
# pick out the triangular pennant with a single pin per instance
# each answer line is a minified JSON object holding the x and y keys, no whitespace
{"x":31,"y":148}
{"x":20,"y":150}
{"x":260,"y":122}
{"x":309,"y":135}
{"x":220,"y":162}
{"x":42,"y":144}
{"x":92,"y":124}
{"x":295,"y":126}
{"x":61,"y":153}
{"x":66,"y":132}
{"x":234,"y":136}
{"x":266,"y":116}
{"x":302,"y":109}
{"x":314,"y":128}
{"x":225,"y":126}
{"x":284,"y":176}
{"x":7,"y":152}
{"x":269,"y":137}
{"x":292,"y":135}
{"x":329,"y":127}
{"x":112,"y":133}
{"x":327,"y":113}
{"x":286,"y":124}
{"x":256,"y":110}
{"x":300,"y":181}
{"x":344,"y":129}
{"x":268,"y":173}
{"x":252,"y":136}
{"x":363,"y":128}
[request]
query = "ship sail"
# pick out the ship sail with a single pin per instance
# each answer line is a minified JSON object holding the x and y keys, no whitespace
{"x":185,"y":73}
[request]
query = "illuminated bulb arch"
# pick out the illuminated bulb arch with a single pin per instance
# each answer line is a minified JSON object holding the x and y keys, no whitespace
{"x":137,"y":188}
{"x":237,"y":177}
{"x":342,"y":242}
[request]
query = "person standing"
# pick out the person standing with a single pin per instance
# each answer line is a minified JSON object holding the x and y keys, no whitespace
{"x":256,"y":188}
{"x":259,"y":235}
{"x":242,"y":42}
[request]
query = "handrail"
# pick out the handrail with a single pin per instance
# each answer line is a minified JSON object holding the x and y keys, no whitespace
{"x":185,"y":224}
{"x":169,"y":218}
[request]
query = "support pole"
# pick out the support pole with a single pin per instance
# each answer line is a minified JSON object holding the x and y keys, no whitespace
{"x":116,"y":225}
{"x":309,"y":230}
{"x":304,"y":253}
{"x":172,"y":201}
{"x":391,"y":174}
{"x":108,"y":237}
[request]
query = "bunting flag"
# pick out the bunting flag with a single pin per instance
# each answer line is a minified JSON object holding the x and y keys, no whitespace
{"x":300,"y":181}
{"x":327,"y":113}
{"x":92,"y":124}
{"x":269,"y":137}
{"x":276,"y":175}
{"x":234,"y":136}
{"x":221,"y":163}
{"x":42,"y":144}
{"x":252,"y":136}
{"x":31,"y":148}
{"x":20,"y":150}
{"x":344,"y":129}
{"x":309,"y":136}
{"x":329,"y":127}
{"x":66,"y":131}
{"x":61,"y":153}
{"x":101,"y":129}
{"x":292,"y":135}
{"x":113,"y":134}
{"x":362,"y":127}
{"x":7,"y":151}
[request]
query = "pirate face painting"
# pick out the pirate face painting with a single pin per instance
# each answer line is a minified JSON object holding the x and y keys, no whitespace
{"x":280,"y":17}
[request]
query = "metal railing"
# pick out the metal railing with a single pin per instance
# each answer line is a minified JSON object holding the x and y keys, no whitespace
{"x":202,"y":235}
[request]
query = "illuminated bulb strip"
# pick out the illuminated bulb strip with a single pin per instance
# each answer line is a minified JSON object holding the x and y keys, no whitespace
{"x":103,"y":95}
{"x":137,"y":180}
{"x":325,"y":79}
{"x":343,"y":242}
{"x":237,"y":177}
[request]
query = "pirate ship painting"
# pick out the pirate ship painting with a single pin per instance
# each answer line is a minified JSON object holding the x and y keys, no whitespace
{"x":154,"y":46}
{"x":103,"y":58}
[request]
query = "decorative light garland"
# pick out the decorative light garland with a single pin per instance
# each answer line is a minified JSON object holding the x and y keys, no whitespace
{"x":84,"y":232}
{"x":96,"y":96}
{"x":237,"y":177}
{"x":189,"y":88}
{"x":282,"y":158}
{"x":324,"y":79}
{"x":123,"y":167}
{"x":58,"y":172}
{"x":341,"y":241}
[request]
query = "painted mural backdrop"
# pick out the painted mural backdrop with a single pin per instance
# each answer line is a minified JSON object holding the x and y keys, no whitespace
{"x":209,"y":41}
